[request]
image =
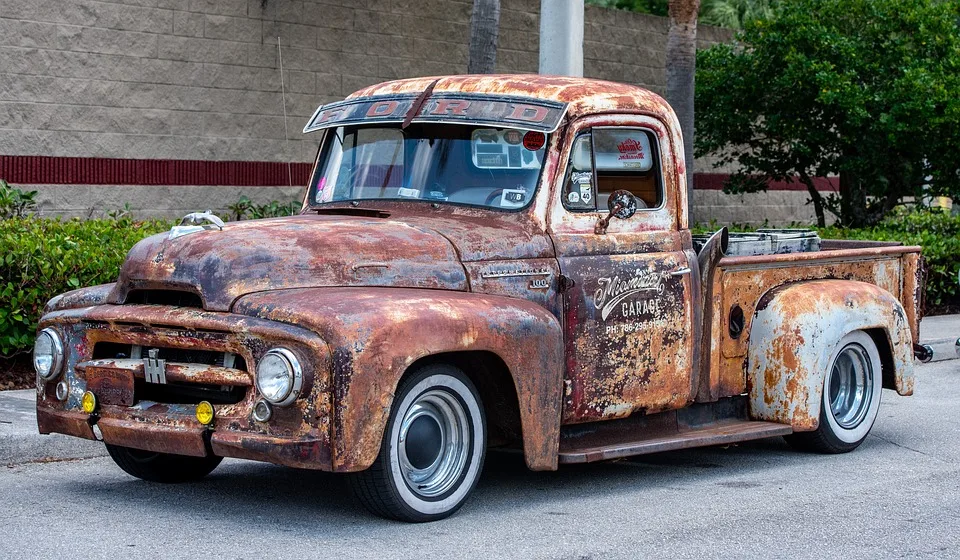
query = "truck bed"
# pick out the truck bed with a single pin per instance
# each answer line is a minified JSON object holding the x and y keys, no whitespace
{"x":734,"y":291}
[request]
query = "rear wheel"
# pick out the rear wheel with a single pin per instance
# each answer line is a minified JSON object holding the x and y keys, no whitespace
{"x":162,"y":467}
{"x":432,"y":450}
{"x":850,"y":400}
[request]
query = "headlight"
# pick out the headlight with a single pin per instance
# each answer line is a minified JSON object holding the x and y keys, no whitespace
{"x":48,"y":354}
{"x":279,"y":376}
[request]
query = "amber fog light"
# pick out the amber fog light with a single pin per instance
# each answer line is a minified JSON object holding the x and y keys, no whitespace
{"x":89,"y":402}
{"x":205,"y":413}
{"x":48,"y":354}
{"x":262,"y":411}
{"x":279,"y":376}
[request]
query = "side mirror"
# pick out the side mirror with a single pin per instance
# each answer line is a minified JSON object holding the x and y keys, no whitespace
{"x":622,"y":204}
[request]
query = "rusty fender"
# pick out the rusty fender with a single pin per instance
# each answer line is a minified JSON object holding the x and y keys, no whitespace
{"x":376,"y":334}
{"x":794,"y":337}
{"x":83,"y":297}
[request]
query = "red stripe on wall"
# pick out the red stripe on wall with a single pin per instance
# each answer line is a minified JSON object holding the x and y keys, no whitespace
{"x":45,"y":170}
{"x":715,"y":181}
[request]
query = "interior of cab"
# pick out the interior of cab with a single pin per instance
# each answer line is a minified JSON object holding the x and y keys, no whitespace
{"x":614,"y":159}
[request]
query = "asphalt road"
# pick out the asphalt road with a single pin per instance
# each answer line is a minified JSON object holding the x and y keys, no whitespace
{"x":898,"y":496}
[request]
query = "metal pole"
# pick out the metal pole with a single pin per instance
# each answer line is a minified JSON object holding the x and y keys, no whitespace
{"x":561,"y":37}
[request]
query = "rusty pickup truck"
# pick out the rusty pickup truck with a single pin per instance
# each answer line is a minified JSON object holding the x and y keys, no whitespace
{"x":480,"y":261}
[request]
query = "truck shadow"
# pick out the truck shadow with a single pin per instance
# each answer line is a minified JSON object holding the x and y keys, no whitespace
{"x":267,"y":497}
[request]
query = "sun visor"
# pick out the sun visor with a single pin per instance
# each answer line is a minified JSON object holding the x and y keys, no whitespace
{"x":501,"y":111}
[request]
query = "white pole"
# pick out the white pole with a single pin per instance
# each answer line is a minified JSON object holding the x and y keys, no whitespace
{"x":561,"y":37}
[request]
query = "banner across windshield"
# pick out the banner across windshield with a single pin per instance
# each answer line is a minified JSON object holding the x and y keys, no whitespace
{"x":455,"y":108}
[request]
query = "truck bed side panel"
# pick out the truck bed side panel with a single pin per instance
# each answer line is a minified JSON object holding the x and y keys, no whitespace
{"x":743,"y":281}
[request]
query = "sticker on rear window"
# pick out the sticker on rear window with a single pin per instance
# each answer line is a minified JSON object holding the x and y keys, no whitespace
{"x":533,"y":141}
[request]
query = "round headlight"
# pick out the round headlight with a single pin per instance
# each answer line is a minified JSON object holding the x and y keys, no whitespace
{"x":48,"y":354}
{"x":279,"y":376}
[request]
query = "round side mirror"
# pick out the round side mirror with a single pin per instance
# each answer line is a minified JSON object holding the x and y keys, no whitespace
{"x":622,"y":204}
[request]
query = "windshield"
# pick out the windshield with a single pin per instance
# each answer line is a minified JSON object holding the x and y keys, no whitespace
{"x":476,"y":166}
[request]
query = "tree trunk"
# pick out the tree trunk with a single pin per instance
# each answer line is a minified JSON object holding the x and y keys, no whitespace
{"x":853,"y":201}
{"x":681,"y":69}
{"x":815,"y":198}
{"x":484,"y":29}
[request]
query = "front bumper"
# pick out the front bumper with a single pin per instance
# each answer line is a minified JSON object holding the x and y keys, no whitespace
{"x":296,"y":436}
{"x":301,"y":452}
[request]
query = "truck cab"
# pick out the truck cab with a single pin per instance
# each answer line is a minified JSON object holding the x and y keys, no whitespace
{"x":480,"y":261}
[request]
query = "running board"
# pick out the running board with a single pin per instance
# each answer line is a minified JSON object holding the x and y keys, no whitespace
{"x":699,"y":425}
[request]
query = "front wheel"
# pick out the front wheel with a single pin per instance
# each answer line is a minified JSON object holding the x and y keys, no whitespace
{"x":162,"y":467}
{"x":432,"y":450}
{"x":850,"y":400}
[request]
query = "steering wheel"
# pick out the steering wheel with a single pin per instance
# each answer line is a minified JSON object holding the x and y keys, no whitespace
{"x":493,"y":196}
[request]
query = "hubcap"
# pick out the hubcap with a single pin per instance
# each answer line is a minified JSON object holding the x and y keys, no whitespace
{"x":434,"y":443}
{"x":851,"y":386}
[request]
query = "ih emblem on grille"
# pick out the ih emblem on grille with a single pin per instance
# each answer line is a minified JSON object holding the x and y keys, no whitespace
{"x":154,"y":369}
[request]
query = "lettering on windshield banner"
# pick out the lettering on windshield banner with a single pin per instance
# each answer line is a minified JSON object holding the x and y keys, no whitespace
{"x":459,"y":108}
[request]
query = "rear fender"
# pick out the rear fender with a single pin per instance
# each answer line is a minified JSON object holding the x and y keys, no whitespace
{"x":375,"y":335}
{"x":794,"y":335}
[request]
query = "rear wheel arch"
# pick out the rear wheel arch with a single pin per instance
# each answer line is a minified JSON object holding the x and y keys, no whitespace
{"x":881,"y":338}
{"x":793,"y":338}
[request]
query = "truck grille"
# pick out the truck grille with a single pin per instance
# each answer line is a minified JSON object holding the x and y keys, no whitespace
{"x":108,"y":350}
{"x":178,"y":392}
{"x":187,"y":393}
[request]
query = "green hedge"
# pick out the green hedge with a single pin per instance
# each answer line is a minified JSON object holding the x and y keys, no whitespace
{"x":937,"y":232}
{"x":40,"y":258}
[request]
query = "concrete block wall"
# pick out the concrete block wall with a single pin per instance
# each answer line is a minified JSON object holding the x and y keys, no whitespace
{"x":200,"y":79}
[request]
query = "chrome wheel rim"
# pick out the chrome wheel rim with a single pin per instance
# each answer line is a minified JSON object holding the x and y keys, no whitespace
{"x":434,"y":443}
{"x":851,"y":386}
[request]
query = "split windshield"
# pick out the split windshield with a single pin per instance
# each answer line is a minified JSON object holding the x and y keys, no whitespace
{"x":458,"y":164}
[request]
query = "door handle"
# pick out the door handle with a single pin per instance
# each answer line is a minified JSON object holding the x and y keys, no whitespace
{"x":681,"y":271}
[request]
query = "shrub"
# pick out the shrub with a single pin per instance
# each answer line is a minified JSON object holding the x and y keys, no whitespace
{"x":40,"y":258}
{"x":937,"y":232}
{"x":933,"y":229}
{"x":245,"y":209}
{"x":15,"y":203}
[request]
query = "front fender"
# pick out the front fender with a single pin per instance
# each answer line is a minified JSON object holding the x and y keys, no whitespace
{"x":794,"y":334}
{"x":376,"y":334}
{"x":83,"y":297}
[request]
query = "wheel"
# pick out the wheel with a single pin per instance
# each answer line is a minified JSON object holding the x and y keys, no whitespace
{"x":851,"y":398}
{"x":432,"y":450}
{"x":162,"y":467}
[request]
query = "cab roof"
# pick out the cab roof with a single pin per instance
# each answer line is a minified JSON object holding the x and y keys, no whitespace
{"x":583,"y":96}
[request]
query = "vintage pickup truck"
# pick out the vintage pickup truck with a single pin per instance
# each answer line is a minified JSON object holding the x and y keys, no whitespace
{"x":479,"y":261}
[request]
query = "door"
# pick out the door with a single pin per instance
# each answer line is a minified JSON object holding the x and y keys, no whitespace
{"x":628,"y":317}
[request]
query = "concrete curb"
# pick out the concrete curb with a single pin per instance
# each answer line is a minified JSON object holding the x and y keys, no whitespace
{"x":20,"y":442}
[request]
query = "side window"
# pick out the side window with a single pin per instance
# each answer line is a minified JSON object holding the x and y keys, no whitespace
{"x":578,"y":191}
{"x":618,"y":159}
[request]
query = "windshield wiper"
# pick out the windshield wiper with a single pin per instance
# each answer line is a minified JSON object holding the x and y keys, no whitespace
{"x":366,"y":212}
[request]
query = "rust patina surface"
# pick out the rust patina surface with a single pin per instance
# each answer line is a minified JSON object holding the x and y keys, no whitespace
{"x":558,"y":326}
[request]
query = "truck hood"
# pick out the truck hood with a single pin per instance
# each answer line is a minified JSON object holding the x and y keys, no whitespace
{"x":294,"y":252}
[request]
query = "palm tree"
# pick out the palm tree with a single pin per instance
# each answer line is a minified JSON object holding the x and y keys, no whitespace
{"x":484,"y":29}
{"x":734,"y":13}
{"x":681,"y":69}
